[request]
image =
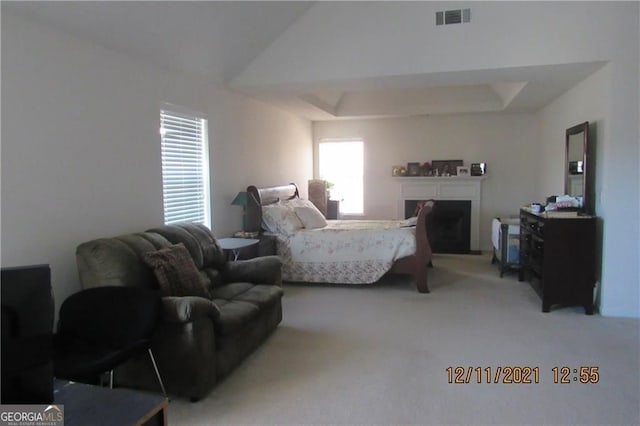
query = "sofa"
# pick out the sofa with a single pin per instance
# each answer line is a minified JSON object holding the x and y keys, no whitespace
{"x":206,"y":329}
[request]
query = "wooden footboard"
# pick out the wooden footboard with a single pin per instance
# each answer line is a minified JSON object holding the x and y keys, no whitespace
{"x":417,"y":263}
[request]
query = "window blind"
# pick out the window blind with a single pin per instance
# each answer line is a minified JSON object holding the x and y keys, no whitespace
{"x":185,"y":171}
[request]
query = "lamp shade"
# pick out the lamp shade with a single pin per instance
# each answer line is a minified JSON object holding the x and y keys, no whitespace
{"x":241,"y":199}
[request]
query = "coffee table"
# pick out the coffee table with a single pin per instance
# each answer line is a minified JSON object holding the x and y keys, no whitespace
{"x":99,"y":406}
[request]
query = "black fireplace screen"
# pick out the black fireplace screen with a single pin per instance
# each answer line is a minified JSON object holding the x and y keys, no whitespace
{"x":448,"y":225}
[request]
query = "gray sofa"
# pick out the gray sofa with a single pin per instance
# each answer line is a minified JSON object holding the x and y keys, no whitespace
{"x":199,"y":340}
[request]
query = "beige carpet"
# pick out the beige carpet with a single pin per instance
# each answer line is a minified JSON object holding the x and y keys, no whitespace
{"x":379,"y":355}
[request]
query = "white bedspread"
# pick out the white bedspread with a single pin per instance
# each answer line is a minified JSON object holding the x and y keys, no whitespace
{"x":346,"y":251}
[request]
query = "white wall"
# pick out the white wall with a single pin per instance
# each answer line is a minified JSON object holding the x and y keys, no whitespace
{"x":588,"y":101}
{"x":81,"y":151}
{"x":506,"y":142}
{"x":253,"y":144}
{"x":343,"y":41}
{"x":616,"y":193}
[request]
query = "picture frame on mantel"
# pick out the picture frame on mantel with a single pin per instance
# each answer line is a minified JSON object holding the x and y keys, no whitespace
{"x":413,"y":169}
{"x":462,"y":170}
{"x":446,"y":167}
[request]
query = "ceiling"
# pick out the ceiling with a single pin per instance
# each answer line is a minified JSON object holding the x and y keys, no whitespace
{"x":218,"y":40}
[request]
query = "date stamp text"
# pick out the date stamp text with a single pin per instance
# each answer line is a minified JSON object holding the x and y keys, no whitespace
{"x":521,"y":375}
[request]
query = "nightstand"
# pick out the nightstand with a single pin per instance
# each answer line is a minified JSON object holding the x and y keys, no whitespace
{"x":233,"y":246}
{"x":333,"y":209}
{"x":266,"y":245}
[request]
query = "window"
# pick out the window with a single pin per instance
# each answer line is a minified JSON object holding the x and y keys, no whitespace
{"x":341,"y":163}
{"x":185,"y":167}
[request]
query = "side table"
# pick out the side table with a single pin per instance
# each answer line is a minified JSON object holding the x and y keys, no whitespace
{"x":235,"y":245}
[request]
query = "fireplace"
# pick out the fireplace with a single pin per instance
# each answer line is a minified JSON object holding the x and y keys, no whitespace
{"x":448,"y":225}
{"x":456,"y":215}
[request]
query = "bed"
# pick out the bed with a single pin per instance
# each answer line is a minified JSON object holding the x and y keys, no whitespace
{"x":505,"y":237}
{"x":317,"y":250}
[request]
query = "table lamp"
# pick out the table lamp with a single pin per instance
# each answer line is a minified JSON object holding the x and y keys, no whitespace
{"x":242,"y":199}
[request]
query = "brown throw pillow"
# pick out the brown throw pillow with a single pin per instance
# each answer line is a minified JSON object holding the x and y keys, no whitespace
{"x":176,"y":272}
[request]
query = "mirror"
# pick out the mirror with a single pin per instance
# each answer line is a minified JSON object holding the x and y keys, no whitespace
{"x":577,"y":167}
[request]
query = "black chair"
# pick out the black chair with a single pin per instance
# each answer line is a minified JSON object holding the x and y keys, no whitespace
{"x":100,"y":328}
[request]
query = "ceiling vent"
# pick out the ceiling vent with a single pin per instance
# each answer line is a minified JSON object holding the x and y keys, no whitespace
{"x":455,"y":16}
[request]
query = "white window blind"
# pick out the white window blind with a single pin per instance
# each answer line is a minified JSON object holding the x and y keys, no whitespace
{"x":185,"y":168}
{"x":342,"y":164}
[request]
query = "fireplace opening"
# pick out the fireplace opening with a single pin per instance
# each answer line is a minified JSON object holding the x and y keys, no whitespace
{"x":448,"y":225}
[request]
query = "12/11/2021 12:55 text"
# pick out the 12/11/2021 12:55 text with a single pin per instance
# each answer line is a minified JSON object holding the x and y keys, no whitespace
{"x":520,"y":375}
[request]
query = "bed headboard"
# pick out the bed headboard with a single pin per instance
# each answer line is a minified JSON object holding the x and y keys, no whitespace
{"x":259,"y":197}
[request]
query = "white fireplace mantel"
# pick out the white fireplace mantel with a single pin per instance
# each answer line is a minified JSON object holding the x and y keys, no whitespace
{"x":467,"y":188}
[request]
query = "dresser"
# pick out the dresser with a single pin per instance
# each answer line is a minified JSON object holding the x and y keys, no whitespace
{"x":558,"y":257}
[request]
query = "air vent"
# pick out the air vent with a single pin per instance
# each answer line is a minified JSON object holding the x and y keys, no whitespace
{"x":455,"y":16}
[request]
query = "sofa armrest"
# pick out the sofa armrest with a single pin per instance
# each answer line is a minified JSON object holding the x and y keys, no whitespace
{"x":185,"y":309}
{"x":259,"y":270}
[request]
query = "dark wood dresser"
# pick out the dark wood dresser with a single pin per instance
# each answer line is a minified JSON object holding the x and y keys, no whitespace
{"x":558,"y":257}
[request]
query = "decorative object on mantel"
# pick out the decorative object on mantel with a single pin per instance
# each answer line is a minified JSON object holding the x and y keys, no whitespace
{"x":439,"y":168}
{"x":413,"y":169}
{"x":446,"y":167}
{"x":398,"y":171}
{"x":478,"y":169}
{"x":425,"y":169}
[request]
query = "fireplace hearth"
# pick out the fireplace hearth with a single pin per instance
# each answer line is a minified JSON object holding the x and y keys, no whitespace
{"x":448,"y":225}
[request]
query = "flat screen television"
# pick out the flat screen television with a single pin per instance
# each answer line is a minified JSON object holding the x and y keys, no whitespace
{"x":27,"y":335}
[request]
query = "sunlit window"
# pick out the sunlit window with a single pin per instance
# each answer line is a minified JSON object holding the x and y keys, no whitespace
{"x":341,"y":164}
{"x":185,"y":167}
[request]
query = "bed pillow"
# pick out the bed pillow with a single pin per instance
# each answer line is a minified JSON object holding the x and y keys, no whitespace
{"x":280,"y":219}
{"x":176,"y":272}
{"x":310,"y":217}
{"x":297,"y":202}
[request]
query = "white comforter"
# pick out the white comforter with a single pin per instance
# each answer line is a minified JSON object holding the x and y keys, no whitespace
{"x":346,"y":251}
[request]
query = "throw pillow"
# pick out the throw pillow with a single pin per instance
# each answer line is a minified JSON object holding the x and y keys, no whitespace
{"x":310,"y":217}
{"x":176,"y":272}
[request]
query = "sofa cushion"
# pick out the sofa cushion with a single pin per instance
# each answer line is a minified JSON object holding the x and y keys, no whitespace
{"x":230,"y":291}
{"x":198,"y":239}
{"x":176,"y":272}
{"x":212,"y":277}
{"x":260,"y":295}
{"x":234,"y":315}
{"x":116,"y":261}
{"x":239,"y":303}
